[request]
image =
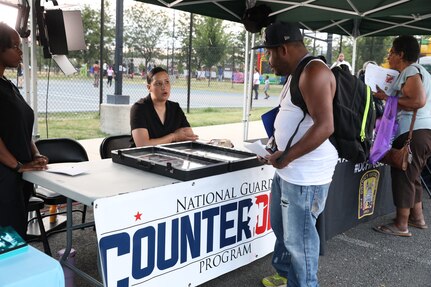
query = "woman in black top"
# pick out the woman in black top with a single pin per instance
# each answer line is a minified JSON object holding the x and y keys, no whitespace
{"x":156,"y":120}
{"x":17,"y":150}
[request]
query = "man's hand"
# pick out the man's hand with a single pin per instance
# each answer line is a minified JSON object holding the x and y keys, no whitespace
{"x":262,"y":159}
{"x":278,"y":160}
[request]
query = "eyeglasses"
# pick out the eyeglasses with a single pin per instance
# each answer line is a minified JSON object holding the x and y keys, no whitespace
{"x":159,"y":84}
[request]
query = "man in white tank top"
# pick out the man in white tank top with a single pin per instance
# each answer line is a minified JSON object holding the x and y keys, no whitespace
{"x":305,"y":170}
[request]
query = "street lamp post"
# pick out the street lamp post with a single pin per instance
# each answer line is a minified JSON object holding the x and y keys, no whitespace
{"x":119,"y":48}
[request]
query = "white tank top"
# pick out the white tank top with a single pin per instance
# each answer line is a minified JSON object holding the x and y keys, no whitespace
{"x":314,"y":168}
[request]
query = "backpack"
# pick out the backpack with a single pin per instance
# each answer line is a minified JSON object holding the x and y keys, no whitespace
{"x":354,"y":112}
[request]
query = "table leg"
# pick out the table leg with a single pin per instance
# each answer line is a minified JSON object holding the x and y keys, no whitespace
{"x":63,"y":259}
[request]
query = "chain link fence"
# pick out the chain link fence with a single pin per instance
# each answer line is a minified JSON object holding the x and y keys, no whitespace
{"x":76,"y":97}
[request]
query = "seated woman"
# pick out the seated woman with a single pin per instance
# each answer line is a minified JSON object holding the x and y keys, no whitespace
{"x":156,"y":120}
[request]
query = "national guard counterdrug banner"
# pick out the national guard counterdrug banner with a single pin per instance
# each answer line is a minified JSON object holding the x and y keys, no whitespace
{"x":186,"y":233}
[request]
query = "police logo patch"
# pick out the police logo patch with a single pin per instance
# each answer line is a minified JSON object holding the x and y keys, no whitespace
{"x":367,"y":193}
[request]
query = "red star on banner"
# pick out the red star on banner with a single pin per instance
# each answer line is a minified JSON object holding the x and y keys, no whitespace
{"x":137,"y":216}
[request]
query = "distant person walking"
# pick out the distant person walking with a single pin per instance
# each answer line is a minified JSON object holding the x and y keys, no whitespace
{"x":266,"y":87}
{"x":105,"y":69}
{"x":256,"y":82}
{"x":96,"y":73}
{"x":110,"y":74}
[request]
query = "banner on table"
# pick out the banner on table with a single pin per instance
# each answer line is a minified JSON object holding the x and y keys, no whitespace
{"x":186,"y":233}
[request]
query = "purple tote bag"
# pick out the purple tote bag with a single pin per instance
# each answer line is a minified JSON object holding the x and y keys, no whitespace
{"x":386,"y":128}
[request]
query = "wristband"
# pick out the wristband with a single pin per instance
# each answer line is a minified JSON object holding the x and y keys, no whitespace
{"x":18,"y":166}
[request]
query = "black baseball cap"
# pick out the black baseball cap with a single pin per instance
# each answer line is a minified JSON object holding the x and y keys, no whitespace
{"x":279,"y":33}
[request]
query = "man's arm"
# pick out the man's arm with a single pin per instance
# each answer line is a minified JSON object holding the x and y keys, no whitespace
{"x":317,"y":85}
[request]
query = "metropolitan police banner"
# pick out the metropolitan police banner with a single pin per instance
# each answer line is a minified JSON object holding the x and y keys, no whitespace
{"x":358,"y":193}
{"x":186,"y":233}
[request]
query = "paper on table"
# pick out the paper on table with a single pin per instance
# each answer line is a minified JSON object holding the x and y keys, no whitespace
{"x":257,"y":147}
{"x":382,"y":77}
{"x":68,"y":169}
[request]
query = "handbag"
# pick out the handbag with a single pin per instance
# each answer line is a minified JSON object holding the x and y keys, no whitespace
{"x":401,"y":158}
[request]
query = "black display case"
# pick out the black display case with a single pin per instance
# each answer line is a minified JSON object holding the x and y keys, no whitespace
{"x":185,"y":160}
{"x":236,"y":159}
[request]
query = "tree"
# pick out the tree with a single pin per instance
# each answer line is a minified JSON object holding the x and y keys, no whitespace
{"x":372,"y":49}
{"x":183,"y":36}
{"x":145,"y":29}
{"x":210,"y":43}
{"x":313,"y":43}
{"x":236,"y":48}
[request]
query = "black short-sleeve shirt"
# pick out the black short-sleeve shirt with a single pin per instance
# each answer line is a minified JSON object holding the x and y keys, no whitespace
{"x":143,"y":115}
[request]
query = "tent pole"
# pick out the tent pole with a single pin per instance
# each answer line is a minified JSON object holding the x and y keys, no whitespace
{"x":33,"y":69}
{"x":354,"y":55}
{"x":26,"y":62}
{"x":245,"y":102}
{"x":189,"y":62}
{"x":119,"y":48}
{"x":248,"y":85}
{"x":102,"y":46}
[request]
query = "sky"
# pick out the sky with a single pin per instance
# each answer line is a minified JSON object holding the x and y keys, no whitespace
{"x":8,"y":14}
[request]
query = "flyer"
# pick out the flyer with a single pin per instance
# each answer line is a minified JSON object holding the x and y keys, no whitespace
{"x":382,"y":77}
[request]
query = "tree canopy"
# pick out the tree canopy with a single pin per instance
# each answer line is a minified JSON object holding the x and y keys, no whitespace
{"x":210,"y":42}
{"x":145,"y":29}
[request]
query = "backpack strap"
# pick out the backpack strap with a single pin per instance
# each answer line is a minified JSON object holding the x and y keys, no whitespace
{"x":289,"y":143}
{"x":295,"y":92}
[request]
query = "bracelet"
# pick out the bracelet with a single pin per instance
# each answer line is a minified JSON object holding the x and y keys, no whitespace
{"x":18,"y":166}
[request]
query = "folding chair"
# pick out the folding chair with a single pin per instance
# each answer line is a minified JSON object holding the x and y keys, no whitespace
{"x":34,"y":206}
{"x":113,"y":143}
{"x":59,"y":150}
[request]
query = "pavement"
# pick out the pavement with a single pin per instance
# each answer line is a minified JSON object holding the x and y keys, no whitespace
{"x":358,"y":257}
